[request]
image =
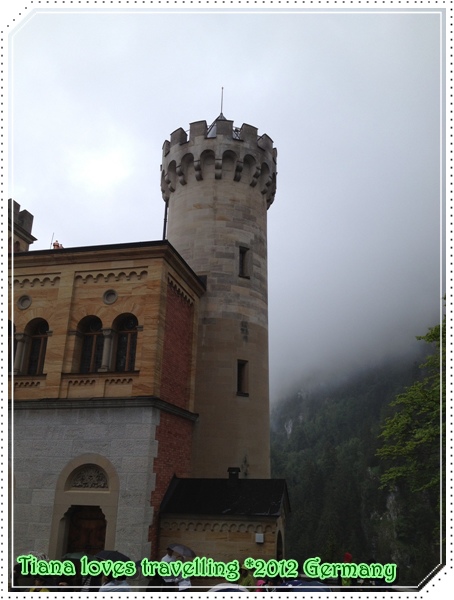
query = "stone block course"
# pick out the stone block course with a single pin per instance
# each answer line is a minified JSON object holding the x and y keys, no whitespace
{"x":128,"y":447}
{"x":43,"y":497}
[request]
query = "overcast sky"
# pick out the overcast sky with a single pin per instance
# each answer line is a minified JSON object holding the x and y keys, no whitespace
{"x":352,"y":102}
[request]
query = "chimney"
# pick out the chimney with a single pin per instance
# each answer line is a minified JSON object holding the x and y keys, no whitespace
{"x":234,"y":473}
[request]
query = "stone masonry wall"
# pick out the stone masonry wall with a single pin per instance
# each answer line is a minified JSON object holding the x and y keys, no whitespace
{"x":45,"y":441}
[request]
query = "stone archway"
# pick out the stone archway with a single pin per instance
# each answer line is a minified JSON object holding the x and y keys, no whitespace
{"x":86,"y":496}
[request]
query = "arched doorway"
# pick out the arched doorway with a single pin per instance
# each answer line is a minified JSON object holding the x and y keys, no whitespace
{"x":85,"y":530}
{"x":85,"y":507}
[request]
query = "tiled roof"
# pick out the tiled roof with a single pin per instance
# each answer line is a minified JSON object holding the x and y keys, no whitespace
{"x":251,"y":497}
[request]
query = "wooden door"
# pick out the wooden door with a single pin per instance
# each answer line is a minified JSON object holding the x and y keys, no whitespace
{"x":86,"y":529}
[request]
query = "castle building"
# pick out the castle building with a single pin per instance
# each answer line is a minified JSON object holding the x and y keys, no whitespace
{"x":218,"y":185}
{"x":141,"y":370}
{"x":20,"y":223}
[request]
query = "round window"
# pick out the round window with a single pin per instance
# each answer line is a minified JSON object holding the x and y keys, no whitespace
{"x":24,"y":302}
{"x":110,"y":296}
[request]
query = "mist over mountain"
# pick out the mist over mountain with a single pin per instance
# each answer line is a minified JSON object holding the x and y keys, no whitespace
{"x":324,"y":440}
{"x":303,"y":368}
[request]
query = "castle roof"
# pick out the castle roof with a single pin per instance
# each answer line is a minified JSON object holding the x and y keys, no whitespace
{"x":247,"y":497}
{"x":211,"y":131}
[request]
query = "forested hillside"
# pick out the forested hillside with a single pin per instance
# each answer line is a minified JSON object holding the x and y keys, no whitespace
{"x":324,"y":442}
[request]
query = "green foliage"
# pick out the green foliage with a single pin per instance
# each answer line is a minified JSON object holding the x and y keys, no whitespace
{"x":414,"y":435}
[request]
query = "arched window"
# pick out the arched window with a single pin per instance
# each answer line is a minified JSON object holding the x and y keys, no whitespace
{"x":11,"y":345}
{"x":88,"y":476}
{"x":126,"y":334}
{"x":37,"y":333}
{"x":92,"y":344}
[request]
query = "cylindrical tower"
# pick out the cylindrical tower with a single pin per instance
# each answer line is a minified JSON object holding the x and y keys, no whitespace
{"x":218,"y":186}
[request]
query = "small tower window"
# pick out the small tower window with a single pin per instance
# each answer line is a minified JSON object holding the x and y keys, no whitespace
{"x":242,"y":385}
{"x":244,"y":267}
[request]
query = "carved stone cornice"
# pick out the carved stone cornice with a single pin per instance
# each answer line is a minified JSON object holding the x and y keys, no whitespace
{"x":27,"y":382}
{"x":137,"y":251}
{"x":81,"y":381}
{"x":111,"y":275}
{"x":48,"y":280}
{"x":218,"y":525}
{"x":96,"y":403}
{"x":180,"y":290}
{"x":118,"y":380}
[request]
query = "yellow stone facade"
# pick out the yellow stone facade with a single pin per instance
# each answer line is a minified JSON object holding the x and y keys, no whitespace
{"x":69,"y":285}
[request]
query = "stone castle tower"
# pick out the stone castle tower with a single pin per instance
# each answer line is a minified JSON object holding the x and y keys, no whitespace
{"x":218,"y":186}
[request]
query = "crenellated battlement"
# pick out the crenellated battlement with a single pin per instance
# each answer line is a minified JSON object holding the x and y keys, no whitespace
{"x":220,"y":151}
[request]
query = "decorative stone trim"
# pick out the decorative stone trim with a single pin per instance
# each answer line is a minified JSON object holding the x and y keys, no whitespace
{"x":168,"y":180}
{"x":119,"y":380}
{"x":180,"y":291}
{"x":218,"y":168}
{"x":198,"y":170}
{"x":111,"y":276}
{"x":151,"y":402}
{"x":214,"y":525}
{"x":82,"y":381}
{"x":238,"y":170}
{"x":26,"y":383}
{"x":41,"y":281}
{"x":181,"y":177}
{"x":89,"y":476}
{"x":255,"y":177}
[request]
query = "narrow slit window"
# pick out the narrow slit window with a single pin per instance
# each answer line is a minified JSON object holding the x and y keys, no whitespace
{"x":242,"y":388}
{"x":244,"y":269}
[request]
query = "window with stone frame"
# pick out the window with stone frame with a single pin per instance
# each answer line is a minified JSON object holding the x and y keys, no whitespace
{"x":242,"y":384}
{"x":244,"y":264}
{"x":92,"y":344}
{"x":37,"y":333}
{"x":126,"y":342}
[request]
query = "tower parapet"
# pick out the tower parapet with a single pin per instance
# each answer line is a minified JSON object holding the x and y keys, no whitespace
{"x":253,"y":157}
{"x":218,"y":183}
